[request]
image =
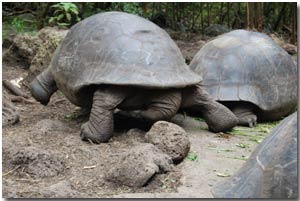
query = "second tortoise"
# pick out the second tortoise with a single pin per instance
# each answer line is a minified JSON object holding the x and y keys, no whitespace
{"x":249,"y":73}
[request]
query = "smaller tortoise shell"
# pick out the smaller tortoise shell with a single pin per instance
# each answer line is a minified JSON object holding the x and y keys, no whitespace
{"x":248,"y":66}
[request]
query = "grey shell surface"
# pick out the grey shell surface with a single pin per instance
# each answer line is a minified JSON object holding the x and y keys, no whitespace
{"x":248,"y":66}
{"x":271,"y":170}
{"x":120,"y":49}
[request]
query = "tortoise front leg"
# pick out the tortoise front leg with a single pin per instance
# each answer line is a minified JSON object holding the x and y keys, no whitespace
{"x":100,"y":126}
{"x":218,"y":117}
{"x":43,"y":86}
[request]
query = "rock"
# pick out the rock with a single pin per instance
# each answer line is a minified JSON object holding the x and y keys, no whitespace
{"x":51,"y":38}
{"x":215,"y":30}
{"x":10,"y":115}
{"x":169,"y":138}
{"x":135,"y":166}
{"x":24,"y":48}
{"x":34,"y":52}
{"x":36,"y":162}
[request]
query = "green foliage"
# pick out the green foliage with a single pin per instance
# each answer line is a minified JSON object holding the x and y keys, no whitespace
{"x":18,"y":24}
{"x":65,"y":14}
{"x":257,"y":133}
{"x":192,"y":156}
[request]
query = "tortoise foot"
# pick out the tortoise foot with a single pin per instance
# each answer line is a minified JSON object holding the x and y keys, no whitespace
{"x":87,"y":135}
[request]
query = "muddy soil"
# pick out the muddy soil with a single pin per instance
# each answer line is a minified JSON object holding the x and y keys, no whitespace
{"x":43,"y":155}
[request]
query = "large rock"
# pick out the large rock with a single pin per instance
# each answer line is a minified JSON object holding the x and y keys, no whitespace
{"x":134,"y":167}
{"x":23,"y":49}
{"x":169,"y":138}
{"x":51,"y":38}
{"x":35,"y":52}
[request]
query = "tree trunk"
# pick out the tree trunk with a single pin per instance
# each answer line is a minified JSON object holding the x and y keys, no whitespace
{"x":228,"y":15}
{"x":259,"y":15}
{"x":280,"y":16}
{"x":42,"y":8}
{"x":221,"y":13}
{"x":202,"y":22}
{"x":250,"y":23}
{"x":208,"y":14}
{"x":144,"y":8}
{"x":293,"y":22}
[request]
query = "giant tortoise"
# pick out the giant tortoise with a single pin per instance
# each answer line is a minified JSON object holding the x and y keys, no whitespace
{"x":115,"y":60}
{"x":271,"y":170}
{"x":250,"y":74}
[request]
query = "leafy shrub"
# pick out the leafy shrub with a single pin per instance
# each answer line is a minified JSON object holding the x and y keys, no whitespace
{"x":18,"y":24}
{"x":65,"y":14}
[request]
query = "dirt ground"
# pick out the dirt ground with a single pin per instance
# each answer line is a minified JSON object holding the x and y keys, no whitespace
{"x":43,"y":155}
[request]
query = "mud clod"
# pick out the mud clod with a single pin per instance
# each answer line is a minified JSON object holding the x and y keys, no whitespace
{"x":169,"y":138}
{"x":135,"y":166}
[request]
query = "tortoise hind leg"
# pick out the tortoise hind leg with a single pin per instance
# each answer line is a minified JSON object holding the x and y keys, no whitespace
{"x":218,"y":117}
{"x":100,"y":126}
{"x":245,"y":114}
{"x":43,"y":86}
{"x":161,"y":105}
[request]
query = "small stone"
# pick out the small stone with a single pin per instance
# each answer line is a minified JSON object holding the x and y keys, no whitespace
{"x":169,"y":138}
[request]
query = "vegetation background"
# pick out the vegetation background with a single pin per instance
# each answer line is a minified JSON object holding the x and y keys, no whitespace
{"x":194,"y":17}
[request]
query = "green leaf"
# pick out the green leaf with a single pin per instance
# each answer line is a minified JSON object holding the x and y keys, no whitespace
{"x":68,"y":15}
{"x":74,"y":10}
{"x":51,"y":20}
{"x":192,"y":156}
{"x":61,"y":16}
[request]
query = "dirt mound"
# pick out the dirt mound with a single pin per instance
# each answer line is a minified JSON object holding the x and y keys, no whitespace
{"x":169,"y":138}
{"x":36,"y":162}
{"x":136,"y":166}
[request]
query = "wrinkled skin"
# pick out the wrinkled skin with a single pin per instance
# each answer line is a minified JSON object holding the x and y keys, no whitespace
{"x":150,"y":104}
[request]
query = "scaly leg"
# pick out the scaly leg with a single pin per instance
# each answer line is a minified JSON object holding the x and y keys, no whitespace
{"x":162,"y":105}
{"x":100,"y":126}
{"x":245,"y":115}
{"x":218,"y":117}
